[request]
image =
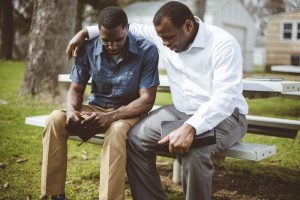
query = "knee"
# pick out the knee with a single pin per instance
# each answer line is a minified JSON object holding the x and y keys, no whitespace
{"x":143,"y":138}
{"x":56,"y":118}
{"x":117,"y":131}
{"x":55,"y":125}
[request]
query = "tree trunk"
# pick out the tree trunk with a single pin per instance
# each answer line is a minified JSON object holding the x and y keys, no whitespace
{"x":79,"y":15}
{"x":52,"y":26}
{"x":7,"y":32}
{"x":198,"y":8}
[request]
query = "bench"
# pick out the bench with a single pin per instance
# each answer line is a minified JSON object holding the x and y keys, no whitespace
{"x":241,"y":150}
{"x":273,"y":126}
{"x":286,"y":69}
{"x":252,"y":88}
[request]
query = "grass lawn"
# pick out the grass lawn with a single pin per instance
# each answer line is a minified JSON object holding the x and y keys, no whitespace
{"x":21,"y":153}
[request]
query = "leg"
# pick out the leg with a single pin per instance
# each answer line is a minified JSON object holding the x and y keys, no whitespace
{"x":197,"y":166}
{"x":141,"y":154}
{"x":54,"y":164}
{"x":113,"y":160}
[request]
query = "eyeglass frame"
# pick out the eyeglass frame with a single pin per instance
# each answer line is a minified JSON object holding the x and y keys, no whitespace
{"x":117,"y":43}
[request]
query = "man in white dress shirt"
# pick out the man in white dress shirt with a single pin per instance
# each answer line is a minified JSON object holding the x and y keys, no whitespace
{"x":204,"y":67}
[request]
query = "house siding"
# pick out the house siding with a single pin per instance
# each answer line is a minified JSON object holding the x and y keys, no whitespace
{"x":279,"y":51}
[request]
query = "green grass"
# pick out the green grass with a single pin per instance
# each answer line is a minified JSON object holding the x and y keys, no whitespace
{"x":20,"y":141}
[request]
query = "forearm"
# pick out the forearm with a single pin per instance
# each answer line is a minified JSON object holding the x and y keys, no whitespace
{"x":84,"y":33}
{"x":74,"y":102}
{"x":136,"y":108}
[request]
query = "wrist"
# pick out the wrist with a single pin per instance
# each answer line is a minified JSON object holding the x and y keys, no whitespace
{"x":114,"y":115}
{"x":189,"y":128}
{"x":84,"y":33}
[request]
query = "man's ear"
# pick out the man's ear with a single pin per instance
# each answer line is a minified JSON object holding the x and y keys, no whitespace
{"x":188,"y":26}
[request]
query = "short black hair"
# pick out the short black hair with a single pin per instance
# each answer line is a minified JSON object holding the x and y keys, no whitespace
{"x":111,"y":17}
{"x":177,"y":12}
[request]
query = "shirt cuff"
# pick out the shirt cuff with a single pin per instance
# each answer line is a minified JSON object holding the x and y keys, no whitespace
{"x":199,"y":124}
{"x":93,"y":31}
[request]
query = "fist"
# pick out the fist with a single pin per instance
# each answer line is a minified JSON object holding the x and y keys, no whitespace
{"x":85,"y":116}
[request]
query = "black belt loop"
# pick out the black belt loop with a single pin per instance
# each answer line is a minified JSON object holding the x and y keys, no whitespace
{"x":236,"y":114}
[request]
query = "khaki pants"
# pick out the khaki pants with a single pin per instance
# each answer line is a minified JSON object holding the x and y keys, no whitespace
{"x":113,"y":156}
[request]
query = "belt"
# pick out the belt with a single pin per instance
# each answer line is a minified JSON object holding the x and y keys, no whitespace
{"x":106,"y":106}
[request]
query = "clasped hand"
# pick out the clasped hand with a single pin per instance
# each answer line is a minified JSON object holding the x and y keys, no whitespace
{"x":180,"y":140}
{"x":91,"y":120}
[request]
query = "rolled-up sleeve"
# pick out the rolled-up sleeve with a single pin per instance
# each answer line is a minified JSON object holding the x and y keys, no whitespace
{"x":93,"y":31}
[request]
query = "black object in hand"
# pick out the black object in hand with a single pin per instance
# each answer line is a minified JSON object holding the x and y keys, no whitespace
{"x":84,"y":133}
{"x":206,"y":138}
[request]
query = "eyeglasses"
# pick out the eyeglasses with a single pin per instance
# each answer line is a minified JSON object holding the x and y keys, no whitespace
{"x":118,"y":42}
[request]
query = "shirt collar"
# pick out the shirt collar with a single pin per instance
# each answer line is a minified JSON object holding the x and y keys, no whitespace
{"x":199,"y":40}
{"x":132,"y":45}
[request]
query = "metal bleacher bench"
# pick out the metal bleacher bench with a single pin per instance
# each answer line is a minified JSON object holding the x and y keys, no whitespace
{"x":241,"y":150}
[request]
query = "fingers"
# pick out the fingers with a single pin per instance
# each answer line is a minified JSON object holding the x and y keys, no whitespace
{"x":177,"y":149}
{"x":164,"y":140}
{"x":94,"y":124}
{"x":86,"y":113}
{"x":89,"y":120}
{"x":75,"y":117}
{"x":178,"y":145}
{"x":75,"y":52}
{"x":69,"y":51}
{"x":72,"y":51}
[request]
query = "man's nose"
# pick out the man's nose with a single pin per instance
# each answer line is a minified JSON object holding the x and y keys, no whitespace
{"x":112,"y":46}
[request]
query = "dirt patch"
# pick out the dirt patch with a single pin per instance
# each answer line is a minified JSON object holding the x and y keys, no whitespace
{"x":228,"y":185}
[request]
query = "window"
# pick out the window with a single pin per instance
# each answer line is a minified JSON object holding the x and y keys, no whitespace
{"x":290,"y":30}
{"x":287,"y":31}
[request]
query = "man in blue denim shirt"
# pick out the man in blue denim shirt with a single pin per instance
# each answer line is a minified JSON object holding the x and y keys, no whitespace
{"x":124,"y":76}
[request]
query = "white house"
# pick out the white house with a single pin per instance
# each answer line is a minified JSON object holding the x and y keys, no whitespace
{"x":227,"y":14}
{"x":283,"y":39}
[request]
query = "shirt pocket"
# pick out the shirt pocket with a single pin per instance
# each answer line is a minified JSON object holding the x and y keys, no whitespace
{"x":102,"y":83}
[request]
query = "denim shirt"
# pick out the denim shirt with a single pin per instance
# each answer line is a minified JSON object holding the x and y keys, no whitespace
{"x":115,"y":85}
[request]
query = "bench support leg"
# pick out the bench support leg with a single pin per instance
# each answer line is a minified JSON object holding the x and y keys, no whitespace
{"x":176,"y":172}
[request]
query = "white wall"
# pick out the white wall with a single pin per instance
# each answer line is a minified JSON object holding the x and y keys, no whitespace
{"x":235,"y":19}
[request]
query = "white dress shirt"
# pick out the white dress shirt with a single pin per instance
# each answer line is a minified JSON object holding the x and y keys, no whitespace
{"x":205,"y":79}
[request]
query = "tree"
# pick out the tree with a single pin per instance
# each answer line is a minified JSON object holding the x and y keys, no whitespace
{"x":22,"y":16}
{"x":87,"y":15}
{"x":260,"y":9}
{"x":7,"y":33}
{"x":292,"y":5}
{"x":198,"y":8}
{"x":51,"y":28}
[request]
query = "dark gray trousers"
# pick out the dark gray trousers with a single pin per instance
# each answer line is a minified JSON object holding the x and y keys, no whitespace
{"x":197,"y":166}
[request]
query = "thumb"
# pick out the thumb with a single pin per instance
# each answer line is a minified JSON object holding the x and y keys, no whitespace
{"x":86,"y":113}
{"x":76,"y":118}
{"x":164,"y":140}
